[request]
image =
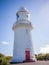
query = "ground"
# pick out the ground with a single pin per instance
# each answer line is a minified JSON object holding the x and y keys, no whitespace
{"x":34,"y":63}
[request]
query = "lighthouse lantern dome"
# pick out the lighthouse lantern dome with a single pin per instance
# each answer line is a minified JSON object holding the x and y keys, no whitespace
{"x":23,"y":13}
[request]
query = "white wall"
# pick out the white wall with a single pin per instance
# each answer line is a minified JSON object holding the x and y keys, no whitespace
{"x":22,"y":40}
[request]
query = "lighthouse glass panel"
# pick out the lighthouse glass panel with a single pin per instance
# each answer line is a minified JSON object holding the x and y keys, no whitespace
{"x":17,"y":16}
{"x":27,"y":16}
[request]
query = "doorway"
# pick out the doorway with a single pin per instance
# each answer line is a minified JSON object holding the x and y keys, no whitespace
{"x":27,"y":53}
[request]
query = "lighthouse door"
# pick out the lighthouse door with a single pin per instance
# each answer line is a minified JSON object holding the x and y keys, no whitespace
{"x":27,"y":53}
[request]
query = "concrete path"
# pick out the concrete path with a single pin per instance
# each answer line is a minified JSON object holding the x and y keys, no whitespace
{"x":34,"y":63}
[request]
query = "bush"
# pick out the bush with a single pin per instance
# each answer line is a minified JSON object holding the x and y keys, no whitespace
{"x":9,"y":58}
{"x":1,"y":55}
{"x":3,"y":60}
{"x":42,"y":56}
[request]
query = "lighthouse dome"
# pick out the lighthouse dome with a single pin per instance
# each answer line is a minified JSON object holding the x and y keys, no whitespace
{"x":23,"y":9}
{"x":23,"y":14}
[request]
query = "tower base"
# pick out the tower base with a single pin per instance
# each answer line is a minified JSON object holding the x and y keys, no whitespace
{"x":30,"y":60}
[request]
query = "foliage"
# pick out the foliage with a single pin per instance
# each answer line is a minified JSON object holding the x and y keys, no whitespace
{"x":3,"y":60}
{"x":9,"y":58}
{"x":1,"y":55}
{"x":42,"y":56}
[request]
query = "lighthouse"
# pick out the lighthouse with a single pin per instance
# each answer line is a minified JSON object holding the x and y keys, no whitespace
{"x":23,"y":50}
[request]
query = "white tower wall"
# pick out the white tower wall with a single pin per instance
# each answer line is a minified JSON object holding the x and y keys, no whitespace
{"x":22,"y":41}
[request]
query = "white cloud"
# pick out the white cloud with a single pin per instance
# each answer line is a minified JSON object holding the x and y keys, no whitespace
{"x":44,"y":49}
{"x":5,"y":42}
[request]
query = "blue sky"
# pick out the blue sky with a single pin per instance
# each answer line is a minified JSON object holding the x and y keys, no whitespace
{"x":39,"y":16}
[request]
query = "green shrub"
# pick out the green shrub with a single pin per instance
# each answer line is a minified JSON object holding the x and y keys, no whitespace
{"x":3,"y":60}
{"x":42,"y":56}
{"x":9,"y":58}
{"x":1,"y":55}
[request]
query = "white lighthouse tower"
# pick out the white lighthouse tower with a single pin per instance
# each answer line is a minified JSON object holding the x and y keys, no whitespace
{"x":23,"y":46}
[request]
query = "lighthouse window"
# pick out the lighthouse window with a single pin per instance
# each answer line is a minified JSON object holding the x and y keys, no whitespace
{"x":17,"y":16}
{"x":27,"y":16}
{"x":26,"y":31}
